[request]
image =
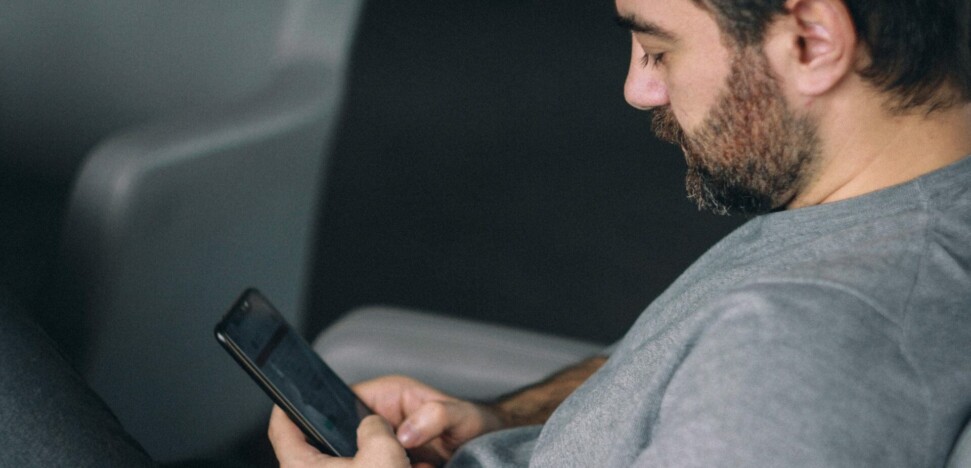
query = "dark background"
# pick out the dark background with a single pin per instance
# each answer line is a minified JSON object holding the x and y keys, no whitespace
{"x":488,"y":167}
{"x":485,"y":166}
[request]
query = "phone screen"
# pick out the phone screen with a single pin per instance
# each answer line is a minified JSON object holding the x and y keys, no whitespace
{"x":292,"y":374}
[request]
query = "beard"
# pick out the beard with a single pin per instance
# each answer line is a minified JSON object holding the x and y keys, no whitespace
{"x":752,"y":153}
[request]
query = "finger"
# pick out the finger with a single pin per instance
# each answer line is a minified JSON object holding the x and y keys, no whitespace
{"x":374,"y":427}
{"x":368,"y":391}
{"x":383,"y":396}
{"x":289,"y":444}
{"x":377,"y":445}
{"x":394,"y":397}
{"x":431,"y":420}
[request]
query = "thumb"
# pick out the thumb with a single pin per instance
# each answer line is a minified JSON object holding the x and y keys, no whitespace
{"x":374,"y":427}
{"x":377,"y":445}
{"x":428,"y":422}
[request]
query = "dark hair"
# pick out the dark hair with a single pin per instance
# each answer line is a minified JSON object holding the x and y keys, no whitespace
{"x":920,"y":50}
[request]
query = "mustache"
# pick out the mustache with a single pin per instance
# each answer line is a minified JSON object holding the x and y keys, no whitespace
{"x":666,"y":127}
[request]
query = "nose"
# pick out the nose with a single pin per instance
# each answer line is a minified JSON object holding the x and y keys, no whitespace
{"x":644,"y":88}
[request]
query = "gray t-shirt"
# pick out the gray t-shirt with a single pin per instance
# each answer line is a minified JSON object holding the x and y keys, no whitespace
{"x":834,"y":335}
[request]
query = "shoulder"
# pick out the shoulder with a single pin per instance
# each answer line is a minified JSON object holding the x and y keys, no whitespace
{"x":793,"y":371}
{"x":893,"y":263}
{"x":814,"y":316}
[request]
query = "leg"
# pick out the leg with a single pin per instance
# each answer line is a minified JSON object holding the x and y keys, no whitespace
{"x":48,"y":416}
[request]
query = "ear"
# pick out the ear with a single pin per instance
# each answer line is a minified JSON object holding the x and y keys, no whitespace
{"x":814,"y":46}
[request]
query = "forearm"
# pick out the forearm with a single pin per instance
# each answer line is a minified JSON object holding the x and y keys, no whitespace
{"x":535,"y":404}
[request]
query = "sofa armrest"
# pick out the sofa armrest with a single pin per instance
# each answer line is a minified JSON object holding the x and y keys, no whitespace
{"x":166,"y":225}
{"x":464,"y":358}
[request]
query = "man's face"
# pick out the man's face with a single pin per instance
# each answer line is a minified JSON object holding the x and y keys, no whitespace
{"x":747,"y":152}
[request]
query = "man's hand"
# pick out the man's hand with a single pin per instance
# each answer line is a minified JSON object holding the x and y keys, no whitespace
{"x":377,"y":446}
{"x":429,"y":423}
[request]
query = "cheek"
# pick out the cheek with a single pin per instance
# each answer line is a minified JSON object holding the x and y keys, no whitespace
{"x":694,"y":90}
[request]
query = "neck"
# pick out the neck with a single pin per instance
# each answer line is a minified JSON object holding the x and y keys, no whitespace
{"x":868,"y":149}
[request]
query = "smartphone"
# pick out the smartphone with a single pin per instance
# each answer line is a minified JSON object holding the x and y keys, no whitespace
{"x":292,"y":374}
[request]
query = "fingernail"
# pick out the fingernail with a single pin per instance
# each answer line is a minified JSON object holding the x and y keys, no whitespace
{"x":407,"y":434}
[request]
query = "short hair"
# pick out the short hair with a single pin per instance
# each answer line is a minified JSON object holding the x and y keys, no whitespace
{"x":919,"y":50}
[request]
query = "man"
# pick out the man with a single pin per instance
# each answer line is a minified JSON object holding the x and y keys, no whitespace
{"x":835,"y":330}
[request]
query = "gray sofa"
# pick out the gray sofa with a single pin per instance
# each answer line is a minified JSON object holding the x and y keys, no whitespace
{"x":180,"y":149}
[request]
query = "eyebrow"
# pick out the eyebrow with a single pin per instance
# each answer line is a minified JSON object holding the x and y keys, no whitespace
{"x":644,"y":27}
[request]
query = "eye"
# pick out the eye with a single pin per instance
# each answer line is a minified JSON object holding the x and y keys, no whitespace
{"x":652,"y":59}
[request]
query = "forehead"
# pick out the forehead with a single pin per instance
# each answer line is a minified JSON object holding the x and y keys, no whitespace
{"x":683,"y":19}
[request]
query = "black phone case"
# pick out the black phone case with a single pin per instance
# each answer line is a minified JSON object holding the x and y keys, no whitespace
{"x":313,"y":435}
